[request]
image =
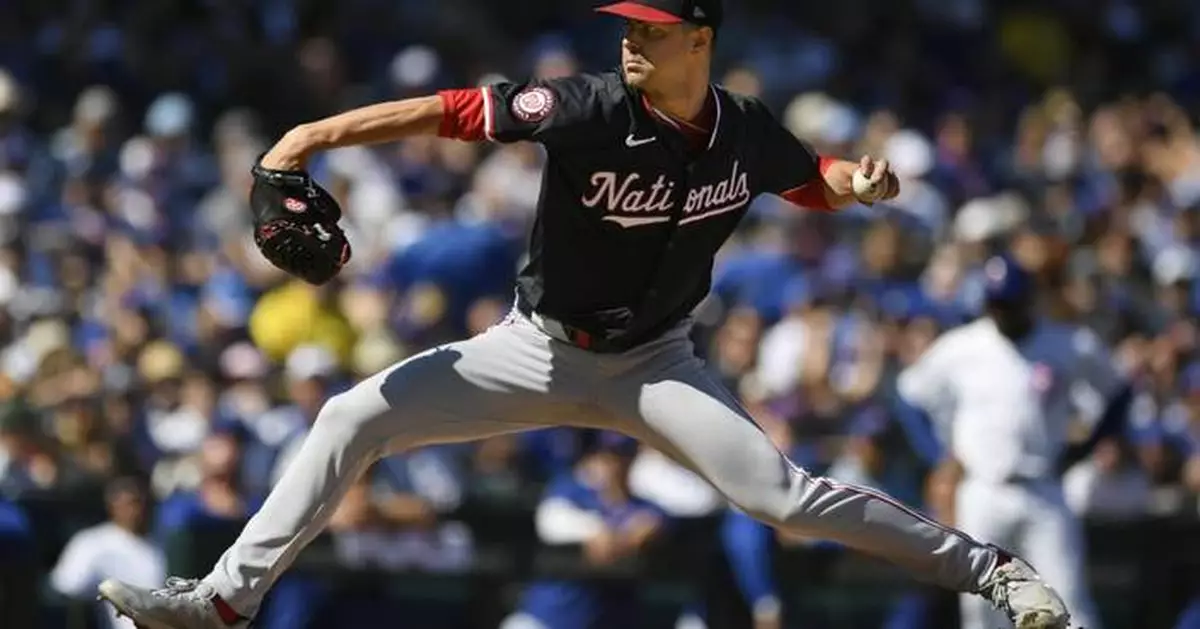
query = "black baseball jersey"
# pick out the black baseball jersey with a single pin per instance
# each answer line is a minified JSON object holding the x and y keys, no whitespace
{"x":627,"y":224}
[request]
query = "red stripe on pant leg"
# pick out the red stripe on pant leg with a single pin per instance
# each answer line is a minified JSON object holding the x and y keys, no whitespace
{"x":733,"y":402}
{"x":858,"y":489}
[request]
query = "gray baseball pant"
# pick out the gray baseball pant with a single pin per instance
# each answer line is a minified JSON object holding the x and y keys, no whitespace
{"x":516,"y":377}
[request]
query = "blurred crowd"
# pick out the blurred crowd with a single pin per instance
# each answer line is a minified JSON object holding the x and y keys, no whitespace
{"x":151,"y":356}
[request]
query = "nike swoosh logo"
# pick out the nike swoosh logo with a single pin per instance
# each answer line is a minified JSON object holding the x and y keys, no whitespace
{"x":633,"y":143}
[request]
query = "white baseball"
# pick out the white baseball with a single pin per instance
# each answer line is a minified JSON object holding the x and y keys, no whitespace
{"x":864,"y":190}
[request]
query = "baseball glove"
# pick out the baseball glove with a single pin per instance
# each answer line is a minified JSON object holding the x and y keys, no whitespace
{"x":296,"y":224}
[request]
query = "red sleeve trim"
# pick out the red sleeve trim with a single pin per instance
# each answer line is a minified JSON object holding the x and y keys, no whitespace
{"x":467,"y":115}
{"x":811,"y":196}
{"x":823,"y":163}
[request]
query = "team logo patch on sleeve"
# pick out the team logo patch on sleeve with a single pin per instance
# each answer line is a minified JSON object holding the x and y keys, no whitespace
{"x":534,"y":104}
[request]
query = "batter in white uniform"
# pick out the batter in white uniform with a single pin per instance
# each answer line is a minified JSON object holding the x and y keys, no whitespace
{"x":1000,"y":393}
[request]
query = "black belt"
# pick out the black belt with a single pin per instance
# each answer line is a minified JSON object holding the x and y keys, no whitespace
{"x":568,"y":333}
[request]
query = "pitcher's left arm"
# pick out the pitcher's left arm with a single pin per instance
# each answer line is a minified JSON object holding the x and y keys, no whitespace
{"x":792,"y":169}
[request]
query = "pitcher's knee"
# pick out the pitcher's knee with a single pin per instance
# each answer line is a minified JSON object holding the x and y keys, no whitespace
{"x":778,"y":506}
{"x":344,"y":424}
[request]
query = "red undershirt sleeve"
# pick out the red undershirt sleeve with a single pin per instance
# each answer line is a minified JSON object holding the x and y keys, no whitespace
{"x":547,"y":111}
{"x":811,"y":195}
{"x":464,"y":116}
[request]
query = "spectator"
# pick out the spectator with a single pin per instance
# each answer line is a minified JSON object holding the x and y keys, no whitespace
{"x":736,"y":345}
{"x":755,"y":276}
{"x":309,"y":374}
{"x":396,"y":517}
{"x":506,"y":187}
{"x":913,"y":158}
{"x":218,"y":497}
{"x":748,"y":546}
{"x":179,"y":414}
{"x":294,"y":314}
{"x":796,"y":351}
{"x":541,"y":455}
{"x":676,"y":490}
{"x":88,"y":144}
{"x":117,"y":549}
{"x":591,"y":507}
{"x":30,"y":460}
{"x":1109,"y":485}
{"x":443,"y":275}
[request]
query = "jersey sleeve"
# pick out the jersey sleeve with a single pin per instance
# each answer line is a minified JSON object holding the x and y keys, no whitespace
{"x":787,"y":162}
{"x":547,"y":111}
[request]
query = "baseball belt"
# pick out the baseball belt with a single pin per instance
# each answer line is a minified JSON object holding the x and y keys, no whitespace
{"x":563,"y":332}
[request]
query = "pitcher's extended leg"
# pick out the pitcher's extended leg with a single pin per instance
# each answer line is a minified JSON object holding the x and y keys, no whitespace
{"x":458,"y":393}
{"x":691,"y":417}
{"x":686,"y":413}
{"x":500,"y":381}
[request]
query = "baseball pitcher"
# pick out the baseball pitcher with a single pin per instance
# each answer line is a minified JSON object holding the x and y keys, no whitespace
{"x":649,"y":169}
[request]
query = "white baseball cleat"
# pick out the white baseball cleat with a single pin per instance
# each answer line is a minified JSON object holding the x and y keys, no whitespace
{"x":182,"y":604}
{"x":1017,"y":590}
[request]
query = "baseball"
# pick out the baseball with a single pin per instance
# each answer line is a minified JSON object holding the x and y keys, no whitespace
{"x":864,"y":190}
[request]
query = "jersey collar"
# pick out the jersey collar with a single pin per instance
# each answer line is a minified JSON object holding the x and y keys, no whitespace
{"x":643,"y":125}
{"x":716,"y":128}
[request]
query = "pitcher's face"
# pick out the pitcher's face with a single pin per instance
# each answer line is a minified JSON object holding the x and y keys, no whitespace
{"x":655,"y":56}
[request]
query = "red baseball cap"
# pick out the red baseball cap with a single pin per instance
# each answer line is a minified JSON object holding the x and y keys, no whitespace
{"x":699,"y":12}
